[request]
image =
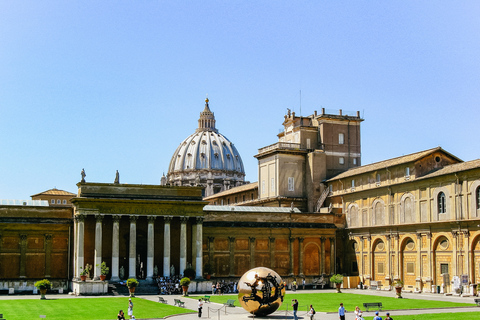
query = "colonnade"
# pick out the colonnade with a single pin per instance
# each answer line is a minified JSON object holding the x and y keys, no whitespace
{"x":80,"y":240}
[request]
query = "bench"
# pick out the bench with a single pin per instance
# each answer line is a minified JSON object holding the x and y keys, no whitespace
{"x":373,"y":304}
{"x":477,"y":301}
{"x":230,"y":303}
{"x":179,"y":303}
{"x":160,"y":299}
{"x":206,"y":298}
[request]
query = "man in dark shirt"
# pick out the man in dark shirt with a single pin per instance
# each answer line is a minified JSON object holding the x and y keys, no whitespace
{"x":295,"y":308}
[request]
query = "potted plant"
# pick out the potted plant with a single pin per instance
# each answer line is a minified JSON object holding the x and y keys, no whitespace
{"x":185,"y":282}
{"x":209,"y":270}
{"x":43,"y":286}
{"x":398,"y":284}
{"x":132,"y":283}
{"x":85,"y":272}
{"x":337,"y":279}
{"x":189,"y":272}
{"x":103,"y":271}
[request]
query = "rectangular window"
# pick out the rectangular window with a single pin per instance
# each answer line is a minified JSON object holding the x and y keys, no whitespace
{"x":263,"y":186}
{"x":353,"y":183}
{"x":291,"y":184}
{"x":380,"y":267}
{"x":228,"y":201}
{"x":407,"y":172}
{"x":443,"y":268}
{"x":59,"y":201}
{"x":64,"y":201}
{"x":355,"y":161}
{"x":243,"y":198}
{"x":272,"y":185}
{"x":341,"y":160}
{"x":330,"y":187}
{"x":52,"y":201}
{"x":308,"y":144}
{"x":222,"y":202}
{"x":236,"y":199}
{"x":341,"y":138}
{"x":410,"y":267}
{"x":252,"y":196}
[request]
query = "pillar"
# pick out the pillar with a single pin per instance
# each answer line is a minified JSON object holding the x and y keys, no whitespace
{"x":132,"y":252}
{"x":272,"y":252}
{"x":397,"y":256}
{"x":80,"y":243}
{"x":370,"y":257}
{"x":194,"y":246}
{"x":291,"y":265}
{"x":23,"y":255}
{"x":332,"y":255}
{"x":150,"y":246}
{"x":430,"y":279}
{"x":322,"y":255}
{"x":231,"y":241}
{"x":300,"y":255}
{"x":166,"y":246}
{"x":454,"y":255}
{"x":98,"y":246}
{"x":183,"y":244}
{"x":199,"y":258}
{"x":361,"y":265}
{"x":466,"y":248}
{"x":115,"y":247}
{"x":252,"y":252}
{"x":388,"y":271}
{"x":48,"y":255}
{"x":418,"y":271}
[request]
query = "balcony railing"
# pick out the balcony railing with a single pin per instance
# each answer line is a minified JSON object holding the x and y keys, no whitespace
{"x":281,"y":145}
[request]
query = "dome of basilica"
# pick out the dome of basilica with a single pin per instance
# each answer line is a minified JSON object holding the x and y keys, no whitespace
{"x":206,"y":158}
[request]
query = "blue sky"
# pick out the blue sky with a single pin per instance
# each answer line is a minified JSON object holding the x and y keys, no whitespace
{"x":117,"y":85}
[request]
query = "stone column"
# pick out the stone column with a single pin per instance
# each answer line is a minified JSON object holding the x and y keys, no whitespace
{"x":361,"y":265}
{"x":388,"y":271}
{"x":429,"y":261}
{"x":199,"y":258}
{"x":466,"y":249}
{"x":80,"y":243}
{"x":322,"y":255}
{"x":454,"y":255}
{"x":115,"y":247}
{"x":418,"y":271}
{"x":332,"y":255}
{"x":132,"y":252}
{"x":291,"y":265}
{"x":183,"y":244}
{"x":231,"y":241}
{"x":194,"y":246}
{"x":23,"y":255}
{"x":98,"y":247}
{"x":300,"y":255}
{"x":166,"y":246}
{"x":370,"y":257}
{"x":252,"y":252}
{"x":150,"y":246}
{"x":272,"y":253}
{"x":397,"y":257}
{"x":48,"y":255}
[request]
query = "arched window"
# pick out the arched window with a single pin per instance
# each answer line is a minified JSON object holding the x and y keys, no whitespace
{"x":408,"y":210}
{"x":441,"y":203}
{"x":379,"y":213}
{"x":477,"y":193}
{"x":354,"y":217}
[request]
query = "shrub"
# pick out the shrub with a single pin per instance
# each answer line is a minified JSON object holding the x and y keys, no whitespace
{"x":189,"y":272}
{"x":184,"y":282}
{"x":336,"y":278}
{"x":132,"y":283}
{"x":43,"y":284}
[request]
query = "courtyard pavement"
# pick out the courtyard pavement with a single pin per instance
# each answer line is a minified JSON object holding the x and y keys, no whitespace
{"x":218,"y":311}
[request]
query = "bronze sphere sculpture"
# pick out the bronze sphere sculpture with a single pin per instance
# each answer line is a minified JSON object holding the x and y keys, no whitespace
{"x":261,"y":291}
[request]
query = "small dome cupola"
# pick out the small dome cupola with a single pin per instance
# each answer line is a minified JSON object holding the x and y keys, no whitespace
{"x":206,"y":122}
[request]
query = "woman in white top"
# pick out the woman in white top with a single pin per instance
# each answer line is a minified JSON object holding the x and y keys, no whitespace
{"x":358,"y":313}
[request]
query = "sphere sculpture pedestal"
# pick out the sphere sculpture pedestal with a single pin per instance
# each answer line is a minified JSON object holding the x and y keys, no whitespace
{"x":261,"y":291}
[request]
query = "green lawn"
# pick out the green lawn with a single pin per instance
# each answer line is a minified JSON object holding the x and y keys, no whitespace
{"x":84,"y":308}
{"x":439,"y":316}
{"x":329,"y":302}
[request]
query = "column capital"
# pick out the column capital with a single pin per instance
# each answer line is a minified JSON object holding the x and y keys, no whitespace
{"x":272,"y":239}
{"x":466,"y":233}
{"x":211,"y":239}
{"x":23,"y":237}
{"x":419,"y":235}
{"x":80,"y":217}
{"x":252,"y":239}
{"x":454,"y":234}
{"x":368,"y":237}
{"x":48,"y":236}
{"x":200,"y":220}
{"x":396,"y":236}
{"x":133,"y":218}
{"x":291,"y":239}
{"x":184,"y":219}
{"x":322,"y":239}
{"x":167,"y":219}
{"x":300,"y":239}
{"x":331,"y":239}
{"x":388,"y":236}
{"x":231,"y":239}
{"x":99,"y":217}
{"x":429,"y":235}
{"x":116,"y":217}
{"x":151,"y":219}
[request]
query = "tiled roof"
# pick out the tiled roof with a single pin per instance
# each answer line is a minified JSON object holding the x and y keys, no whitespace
{"x":54,"y":192}
{"x":245,"y":187}
{"x":390,"y":163}
{"x":457,"y":167}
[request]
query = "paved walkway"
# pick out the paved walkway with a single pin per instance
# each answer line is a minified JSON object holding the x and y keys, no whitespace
{"x":216,"y":311}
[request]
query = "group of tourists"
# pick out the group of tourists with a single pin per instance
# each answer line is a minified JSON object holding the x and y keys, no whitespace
{"x":169,"y":285}
{"x":121,"y":314}
{"x":222,"y":287}
{"x":341,"y":312}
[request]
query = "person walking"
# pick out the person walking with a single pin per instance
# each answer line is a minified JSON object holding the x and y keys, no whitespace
{"x":130,"y":308}
{"x":311,"y":313}
{"x":294,"y":285}
{"x":377,"y":317}
{"x":358,"y":313}
{"x":200,"y":306}
{"x":341,"y":312}
{"x":295,"y":308}
{"x":388,"y":317}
